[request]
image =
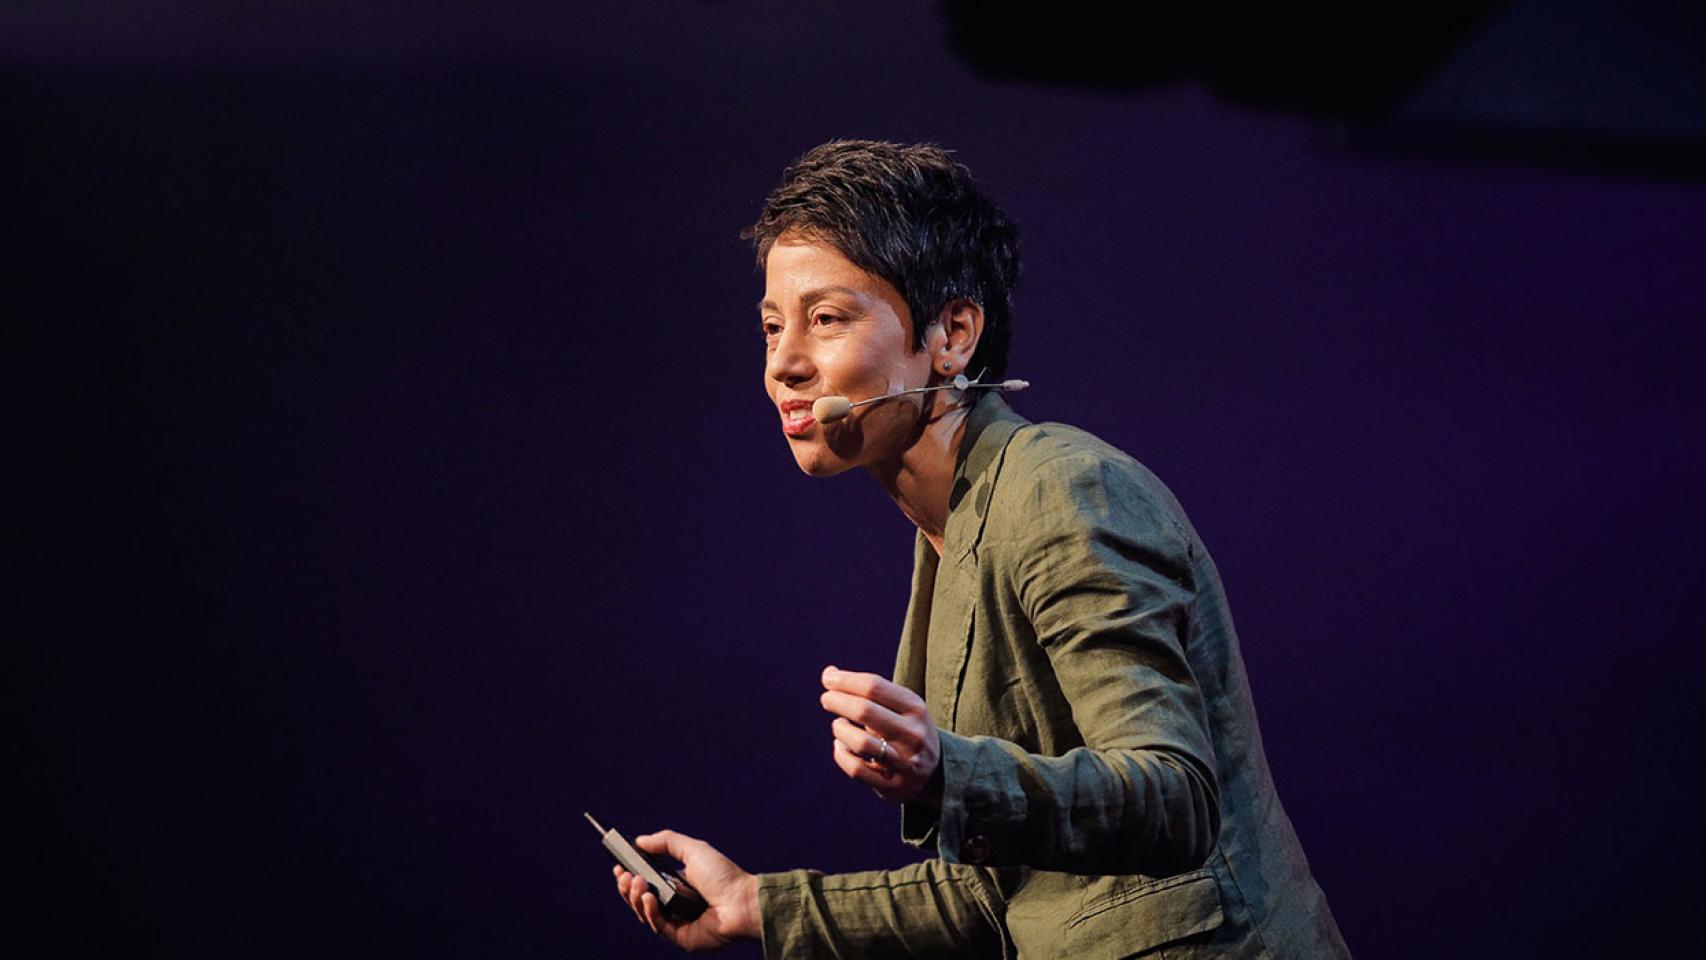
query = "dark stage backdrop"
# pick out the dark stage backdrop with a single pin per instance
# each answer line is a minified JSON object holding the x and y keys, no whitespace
{"x":396,"y":482}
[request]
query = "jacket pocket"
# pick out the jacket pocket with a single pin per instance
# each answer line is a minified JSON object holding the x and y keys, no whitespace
{"x":1126,"y":916}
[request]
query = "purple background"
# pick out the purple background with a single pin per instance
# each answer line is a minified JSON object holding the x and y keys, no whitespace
{"x":400,"y":482}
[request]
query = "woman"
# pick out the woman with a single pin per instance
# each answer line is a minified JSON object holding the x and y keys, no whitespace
{"x":1068,"y":725}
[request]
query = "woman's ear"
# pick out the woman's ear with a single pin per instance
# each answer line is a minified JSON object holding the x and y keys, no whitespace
{"x":961,"y":325}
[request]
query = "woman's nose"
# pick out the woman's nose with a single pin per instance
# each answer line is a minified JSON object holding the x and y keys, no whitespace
{"x":791,"y":361}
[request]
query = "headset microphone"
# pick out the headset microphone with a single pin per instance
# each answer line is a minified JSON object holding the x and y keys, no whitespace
{"x":831,"y":409}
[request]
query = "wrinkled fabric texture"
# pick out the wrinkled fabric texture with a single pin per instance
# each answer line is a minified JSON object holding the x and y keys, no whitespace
{"x":1105,"y":794}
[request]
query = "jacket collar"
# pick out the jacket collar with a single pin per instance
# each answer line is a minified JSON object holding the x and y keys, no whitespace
{"x":933,"y":641}
{"x":989,"y":426}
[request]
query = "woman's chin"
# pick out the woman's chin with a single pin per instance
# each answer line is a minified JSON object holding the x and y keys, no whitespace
{"x":815,"y":461}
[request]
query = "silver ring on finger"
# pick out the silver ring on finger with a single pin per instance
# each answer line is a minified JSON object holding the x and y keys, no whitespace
{"x":881,"y":756}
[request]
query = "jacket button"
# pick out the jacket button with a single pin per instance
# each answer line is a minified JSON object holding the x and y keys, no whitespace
{"x":975,"y":850}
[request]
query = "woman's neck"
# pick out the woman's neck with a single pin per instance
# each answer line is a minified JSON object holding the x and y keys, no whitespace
{"x":922,"y":479}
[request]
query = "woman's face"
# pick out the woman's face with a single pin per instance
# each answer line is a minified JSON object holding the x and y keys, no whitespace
{"x":831,"y":329}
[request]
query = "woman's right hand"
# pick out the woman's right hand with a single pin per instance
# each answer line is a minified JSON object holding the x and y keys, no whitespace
{"x":731,"y":894}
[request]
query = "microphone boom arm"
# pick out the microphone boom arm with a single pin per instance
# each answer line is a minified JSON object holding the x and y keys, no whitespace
{"x":831,"y":409}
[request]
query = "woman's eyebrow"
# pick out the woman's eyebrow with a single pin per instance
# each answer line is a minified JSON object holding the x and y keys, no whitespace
{"x":812,"y":296}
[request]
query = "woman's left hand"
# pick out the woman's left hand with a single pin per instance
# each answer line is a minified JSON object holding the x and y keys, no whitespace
{"x":884,"y":736}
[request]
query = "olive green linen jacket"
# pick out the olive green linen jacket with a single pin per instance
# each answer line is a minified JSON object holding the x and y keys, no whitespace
{"x":1105,"y":794}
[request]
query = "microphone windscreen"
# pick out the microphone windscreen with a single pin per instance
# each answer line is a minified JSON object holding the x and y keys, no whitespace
{"x":831,"y":409}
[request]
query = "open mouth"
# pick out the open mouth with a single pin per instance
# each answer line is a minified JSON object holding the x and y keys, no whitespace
{"x":797,"y":417}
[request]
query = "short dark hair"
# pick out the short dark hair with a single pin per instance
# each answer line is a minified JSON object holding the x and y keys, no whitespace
{"x":913,"y":216}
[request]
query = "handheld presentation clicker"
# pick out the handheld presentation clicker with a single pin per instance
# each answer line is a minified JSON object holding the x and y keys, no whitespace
{"x":675,"y":896}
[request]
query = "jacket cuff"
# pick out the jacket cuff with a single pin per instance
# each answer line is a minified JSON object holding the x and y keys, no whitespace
{"x":924,"y":910}
{"x":781,"y":912}
{"x":981,"y":808}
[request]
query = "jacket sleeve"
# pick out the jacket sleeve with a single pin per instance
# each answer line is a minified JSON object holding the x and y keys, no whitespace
{"x":929,"y":909}
{"x":1102,"y":570}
